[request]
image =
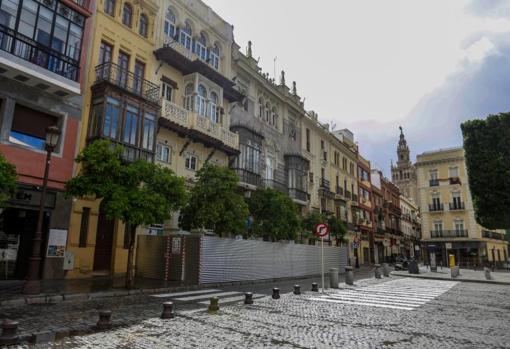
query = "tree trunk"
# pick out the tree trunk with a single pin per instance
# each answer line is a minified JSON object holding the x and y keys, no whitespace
{"x":130,"y":273}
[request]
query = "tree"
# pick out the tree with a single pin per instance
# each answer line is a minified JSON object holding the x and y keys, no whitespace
{"x":275,"y":215}
{"x":310,"y":221}
{"x":487,"y":152}
{"x":214,"y":202}
{"x":137,"y":193}
{"x":337,"y":229}
{"x":7,"y":180}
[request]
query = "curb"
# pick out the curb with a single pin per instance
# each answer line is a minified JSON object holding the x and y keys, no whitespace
{"x":494,"y":282}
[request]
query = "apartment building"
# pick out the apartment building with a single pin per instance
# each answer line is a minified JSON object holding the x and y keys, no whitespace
{"x":393,"y":241}
{"x":448,"y":218}
{"x":366,"y":210}
{"x":410,"y":226}
{"x":43,"y":46}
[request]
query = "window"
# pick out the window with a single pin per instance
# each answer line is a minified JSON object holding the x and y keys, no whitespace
{"x":274,"y":121}
{"x":310,"y":177}
{"x":344,"y":163}
{"x":322,"y":144}
{"x":436,"y":201}
{"x":127,"y":15}
{"x":191,"y":162}
{"x":201,"y":97}
{"x":123,"y":62}
{"x":130,"y":125}
{"x":200,"y":47}
{"x":185,"y":36}
{"x":29,"y":127}
{"x":433,"y":175}
{"x":163,"y":153}
{"x":213,"y":107}
{"x":268,"y":112}
{"x":214,"y":57}
{"x":352,"y":168}
{"x":139,"y":74}
{"x":84,"y":227}
{"x":111,"y":118}
{"x":249,"y":157}
{"x":269,"y":168}
{"x":149,"y":126}
{"x":166,"y":91}
{"x":188,"y":97}
{"x":169,"y":26}
{"x":109,"y":7}
{"x":105,"y":53}
{"x":454,"y":172}
{"x":143,"y":25}
{"x":261,"y":108}
{"x":459,"y":225}
{"x":308,"y":139}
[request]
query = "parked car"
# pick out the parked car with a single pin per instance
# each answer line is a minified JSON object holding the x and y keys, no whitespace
{"x":401,"y":263}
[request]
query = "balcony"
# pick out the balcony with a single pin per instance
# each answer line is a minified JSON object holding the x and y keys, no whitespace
{"x":113,"y":74}
{"x":449,"y":234}
{"x":348,"y":194}
{"x":37,"y":65}
{"x":324,"y":183}
{"x":298,"y":194}
{"x":339,"y":191}
{"x":434,"y":182}
{"x":436,"y":207}
{"x":454,"y":180}
{"x":354,"y":197}
{"x":271,"y":183}
{"x":185,"y":121}
{"x":248,"y":177}
{"x":493,"y":235}
{"x":456,"y":206}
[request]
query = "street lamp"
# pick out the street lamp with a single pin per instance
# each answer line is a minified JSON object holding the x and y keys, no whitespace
{"x":32,"y":284}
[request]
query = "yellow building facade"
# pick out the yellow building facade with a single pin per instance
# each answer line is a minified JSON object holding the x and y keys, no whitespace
{"x":121,"y":103}
{"x":448,"y":218}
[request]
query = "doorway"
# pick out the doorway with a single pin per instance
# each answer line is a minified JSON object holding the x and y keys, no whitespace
{"x":104,"y":244}
{"x":366,"y":256}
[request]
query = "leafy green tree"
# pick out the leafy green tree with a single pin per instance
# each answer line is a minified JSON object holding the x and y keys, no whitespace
{"x":337,"y":229}
{"x":7,"y":180}
{"x":309,"y":222}
{"x":487,"y":152}
{"x":275,"y":215}
{"x":214,"y":203}
{"x":137,"y":193}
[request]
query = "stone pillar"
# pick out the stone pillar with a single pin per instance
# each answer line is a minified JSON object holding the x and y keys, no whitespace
{"x":333,"y":277}
{"x":349,"y":275}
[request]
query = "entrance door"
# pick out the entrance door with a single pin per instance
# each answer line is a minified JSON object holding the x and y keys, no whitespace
{"x":366,"y":258}
{"x":104,"y":243}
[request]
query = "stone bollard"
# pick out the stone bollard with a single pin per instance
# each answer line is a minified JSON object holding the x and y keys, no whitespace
{"x":333,"y":277}
{"x":276,"y":293}
{"x":315,"y":287}
{"x":487,"y":273}
{"x":297,"y":289}
{"x":454,"y":272}
{"x":349,"y":275}
{"x":248,"y":298}
{"x":213,"y":305}
{"x":105,"y":320}
{"x":386,"y":270}
{"x":9,"y":336}
{"x":377,"y":271}
{"x":168,"y":310}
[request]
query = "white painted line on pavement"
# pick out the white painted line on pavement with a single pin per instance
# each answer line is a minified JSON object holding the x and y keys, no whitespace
{"x":360,"y":303}
{"x":378,"y":296}
{"x":176,"y":294}
{"x":233,"y":299}
{"x":204,"y":296}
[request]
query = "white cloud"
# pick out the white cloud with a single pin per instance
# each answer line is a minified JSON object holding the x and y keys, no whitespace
{"x":480,"y":49}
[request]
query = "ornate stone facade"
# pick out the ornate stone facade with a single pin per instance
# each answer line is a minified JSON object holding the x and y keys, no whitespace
{"x":403,"y":174}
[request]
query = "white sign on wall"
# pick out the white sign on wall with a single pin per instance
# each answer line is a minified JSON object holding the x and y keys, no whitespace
{"x":57,"y":241}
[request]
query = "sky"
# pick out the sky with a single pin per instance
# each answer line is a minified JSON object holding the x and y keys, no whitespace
{"x":372,"y":65}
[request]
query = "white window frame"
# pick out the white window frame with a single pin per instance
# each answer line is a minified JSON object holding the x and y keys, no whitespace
{"x":433,"y":174}
{"x":451,"y":172}
{"x":438,"y":224}
{"x":269,"y":168}
{"x":185,"y":39}
{"x":214,"y":59}
{"x":159,"y":153}
{"x":188,"y":162}
{"x":166,"y":91}
{"x":213,"y":108}
{"x":201,"y":51}
{"x":458,"y":223}
{"x":170,"y":25}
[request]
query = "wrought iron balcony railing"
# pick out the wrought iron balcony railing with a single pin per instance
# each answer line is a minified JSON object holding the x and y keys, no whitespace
{"x":436,"y":207}
{"x":248,"y":177}
{"x":340,"y":191}
{"x":298,"y":194}
{"x":454,"y":206}
{"x":21,"y":46}
{"x":434,"y":182}
{"x":324,"y":183}
{"x":449,"y":233}
{"x":347,"y":194}
{"x":123,"y":78}
{"x":493,"y":235}
{"x":271,"y":183}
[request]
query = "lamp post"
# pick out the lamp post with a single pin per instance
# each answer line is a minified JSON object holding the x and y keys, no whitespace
{"x":32,"y":284}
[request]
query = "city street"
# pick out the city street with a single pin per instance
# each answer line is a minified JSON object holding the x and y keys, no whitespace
{"x":388,"y":313}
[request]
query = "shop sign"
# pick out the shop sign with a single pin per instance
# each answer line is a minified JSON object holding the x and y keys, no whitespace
{"x":448,"y":245}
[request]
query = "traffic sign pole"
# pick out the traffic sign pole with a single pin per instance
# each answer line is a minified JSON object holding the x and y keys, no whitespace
{"x":322,"y":261}
{"x":322,"y":230}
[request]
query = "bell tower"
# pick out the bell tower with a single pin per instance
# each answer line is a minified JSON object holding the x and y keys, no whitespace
{"x":403,"y":174}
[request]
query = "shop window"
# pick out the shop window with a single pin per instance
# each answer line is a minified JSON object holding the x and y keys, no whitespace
{"x":29,"y":127}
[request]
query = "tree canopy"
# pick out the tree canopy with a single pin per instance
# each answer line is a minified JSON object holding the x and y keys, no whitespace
{"x":337,"y":229}
{"x":137,"y":193}
{"x":487,"y":152}
{"x":214,"y":202}
{"x":275,"y":215}
{"x":7,"y":180}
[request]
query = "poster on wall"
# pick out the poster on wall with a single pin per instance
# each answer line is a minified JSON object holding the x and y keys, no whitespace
{"x":57,"y":241}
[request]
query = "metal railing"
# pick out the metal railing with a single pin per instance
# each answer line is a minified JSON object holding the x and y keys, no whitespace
{"x":436,"y":208}
{"x":248,"y":177}
{"x":128,"y":81}
{"x":298,"y":194}
{"x":456,"y":206}
{"x":493,"y":235}
{"x":355,"y":197}
{"x":271,"y":183}
{"x":23,"y":47}
{"x":449,"y":233}
{"x":434,"y":182}
{"x":339,"y":190}
{"x":347,"y":194}
{"x":324,"y":183}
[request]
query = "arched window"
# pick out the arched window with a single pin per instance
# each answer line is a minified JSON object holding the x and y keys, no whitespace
{"x":143,"y":25}
{"x":185,"y":36}
{"x":214,"y":57}
{"x":169,"y":26}
{"x":127,"y":15}
{"x":274,"y":120}
{"x":213,"y":107}
{"x":201,"y":47}
{"x":109,"y":7}
{"x":261,"y":108}
{"x":268,"y":112}
{"x":201,"y":99}
{"x":188,"y":97}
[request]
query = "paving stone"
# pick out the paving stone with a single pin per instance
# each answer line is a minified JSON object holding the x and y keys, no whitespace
{"x":44,"y":337}
{"x":76,"y":297}
{"x":13,"y":302}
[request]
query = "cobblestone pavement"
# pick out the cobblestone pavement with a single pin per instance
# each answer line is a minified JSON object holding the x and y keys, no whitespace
{"x":467,"y":315}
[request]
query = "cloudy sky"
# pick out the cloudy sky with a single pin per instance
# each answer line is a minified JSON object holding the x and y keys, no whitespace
{"x":373,"y":65}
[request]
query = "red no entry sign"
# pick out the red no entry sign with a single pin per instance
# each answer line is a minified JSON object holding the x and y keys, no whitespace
{"x":321,"y":230}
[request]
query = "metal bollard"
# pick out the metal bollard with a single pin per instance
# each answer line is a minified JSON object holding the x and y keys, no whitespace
{"x":276,"y":293}
{"x":105,"y":320}
{"x":333,"y":277}
{"x":377,"y":271}
{"x":315,"y":287}
{"x":349,"y":275}
{"x":213,"y":305}
{"x":297,"y":289}
{"x":487,"y":273}
{"x":386,"y":270}
{"x":168,"y":310}
{"x":9,"y":336}
{"x":248,"y":298}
